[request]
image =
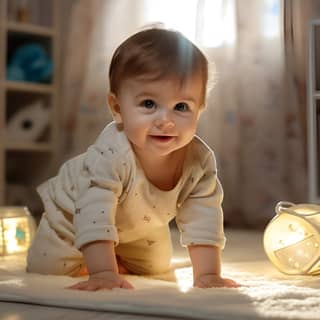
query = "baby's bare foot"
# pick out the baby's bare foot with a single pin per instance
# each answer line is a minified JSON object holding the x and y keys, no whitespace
{"x":83,"y":271}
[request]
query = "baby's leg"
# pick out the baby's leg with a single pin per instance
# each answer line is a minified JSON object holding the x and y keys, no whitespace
{"x":150,"y":255}
{"x":50,"y":254}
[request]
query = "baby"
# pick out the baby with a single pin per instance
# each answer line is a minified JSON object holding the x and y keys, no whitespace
{"x":108,"y":209}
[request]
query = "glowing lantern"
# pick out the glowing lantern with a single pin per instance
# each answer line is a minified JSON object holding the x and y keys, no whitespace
{"x":16,"y":230}
{"x":292,"y":238}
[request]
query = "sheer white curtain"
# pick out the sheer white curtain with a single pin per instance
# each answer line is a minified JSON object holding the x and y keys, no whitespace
{"x":248,"y":105}
{"x":247,"y":118}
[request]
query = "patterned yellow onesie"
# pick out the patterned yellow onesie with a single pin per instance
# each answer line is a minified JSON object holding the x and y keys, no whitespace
{"x":103,"y":194}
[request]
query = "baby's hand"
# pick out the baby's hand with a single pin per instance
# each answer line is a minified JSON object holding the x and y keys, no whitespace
{"x":213,"y":280}
{"x":101,"y":281}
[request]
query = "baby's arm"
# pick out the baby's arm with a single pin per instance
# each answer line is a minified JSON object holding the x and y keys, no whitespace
{"x":102,"y":267}
{"x":206,"y":262}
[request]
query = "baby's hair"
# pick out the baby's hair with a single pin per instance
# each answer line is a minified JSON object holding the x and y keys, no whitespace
{"x":156,"y":54}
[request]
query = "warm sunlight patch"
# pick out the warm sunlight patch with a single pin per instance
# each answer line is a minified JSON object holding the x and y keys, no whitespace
{"x":184,"y":278}
{"x":208,"y":23}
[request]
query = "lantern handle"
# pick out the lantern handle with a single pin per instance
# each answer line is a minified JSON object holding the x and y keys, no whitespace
{"x":284,"y":206}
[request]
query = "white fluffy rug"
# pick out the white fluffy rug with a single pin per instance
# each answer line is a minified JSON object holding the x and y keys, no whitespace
{"x":265,"y":293}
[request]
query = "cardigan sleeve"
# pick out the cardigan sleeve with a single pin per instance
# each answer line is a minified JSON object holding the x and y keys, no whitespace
{"x":200,"y":217}
{"x":101,"y":183}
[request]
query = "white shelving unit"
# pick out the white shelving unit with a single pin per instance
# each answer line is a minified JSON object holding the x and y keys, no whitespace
{"x":26,"y":163}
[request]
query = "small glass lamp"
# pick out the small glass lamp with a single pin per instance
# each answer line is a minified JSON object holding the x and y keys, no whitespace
{"x":17,"y":228}
{"x":292,"y":238}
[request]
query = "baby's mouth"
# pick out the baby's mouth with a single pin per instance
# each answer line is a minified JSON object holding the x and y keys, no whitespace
{"x":162,"y":138}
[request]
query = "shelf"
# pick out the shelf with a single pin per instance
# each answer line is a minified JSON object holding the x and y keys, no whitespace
{"x":28,"y":87}
{"x":30,"y":29}
{"x":28,"y":146}
{"x":26,"y":158}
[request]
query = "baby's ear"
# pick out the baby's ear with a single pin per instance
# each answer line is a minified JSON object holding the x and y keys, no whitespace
{"x":114,"y":107}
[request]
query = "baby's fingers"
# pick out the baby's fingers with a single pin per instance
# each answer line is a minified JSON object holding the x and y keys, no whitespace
{"x":231,"y":283}
{"x":126,"y":285}
{"x":95,"y":286}
{"x":84,"y":285}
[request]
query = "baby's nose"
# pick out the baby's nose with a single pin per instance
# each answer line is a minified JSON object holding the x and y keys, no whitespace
{"x":164,"y":121}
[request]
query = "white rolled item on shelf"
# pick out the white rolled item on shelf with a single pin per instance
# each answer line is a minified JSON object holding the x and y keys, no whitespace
{"x":28,"y":123}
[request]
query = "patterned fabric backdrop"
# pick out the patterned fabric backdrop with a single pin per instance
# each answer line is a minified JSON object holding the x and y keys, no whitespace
{"x":255,"y":116}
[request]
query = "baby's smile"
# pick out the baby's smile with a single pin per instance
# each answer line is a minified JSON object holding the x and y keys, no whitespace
{"x":162,"y":138}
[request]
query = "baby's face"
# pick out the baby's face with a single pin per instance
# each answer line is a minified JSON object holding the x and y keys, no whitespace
{"x":160,"y":117}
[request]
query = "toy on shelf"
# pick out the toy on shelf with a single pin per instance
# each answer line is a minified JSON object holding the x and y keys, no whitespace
{"x":29,"y":123}
{"x":30,"y":62}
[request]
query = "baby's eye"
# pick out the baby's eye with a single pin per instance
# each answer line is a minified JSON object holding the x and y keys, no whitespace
{"x":148,"y":104}
{"x":181,"y":106}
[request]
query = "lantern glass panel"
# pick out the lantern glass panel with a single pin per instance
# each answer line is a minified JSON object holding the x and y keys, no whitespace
{"x":292,"y":239}
{"x":16,"y":230}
